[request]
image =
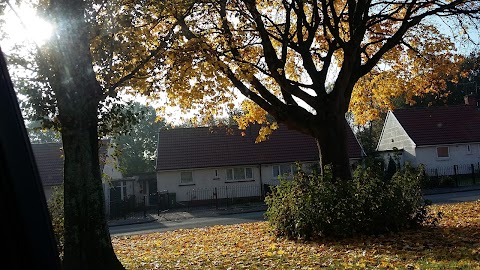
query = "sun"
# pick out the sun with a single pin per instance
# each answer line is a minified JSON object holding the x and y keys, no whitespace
{"x":23,"y":25}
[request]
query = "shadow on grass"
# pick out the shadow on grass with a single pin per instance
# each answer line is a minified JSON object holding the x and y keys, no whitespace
{"x":426,"y":243}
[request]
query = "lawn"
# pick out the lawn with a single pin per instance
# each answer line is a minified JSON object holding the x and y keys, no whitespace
{"x":453,"y":244}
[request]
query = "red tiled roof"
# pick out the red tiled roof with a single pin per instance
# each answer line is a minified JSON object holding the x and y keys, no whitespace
{"x":183,"y":148}
{"x":49,"y":159}
{"x":441,"y":125}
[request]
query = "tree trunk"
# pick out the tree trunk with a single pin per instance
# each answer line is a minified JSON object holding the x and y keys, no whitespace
{"x":68,"y":67}
{"x":87,"y":239}
{"x":331,"y":136}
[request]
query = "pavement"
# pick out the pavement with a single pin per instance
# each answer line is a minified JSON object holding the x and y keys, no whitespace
{"x":195,"y":212}
{"x":445,"y":190}
{"x":188,"y":213}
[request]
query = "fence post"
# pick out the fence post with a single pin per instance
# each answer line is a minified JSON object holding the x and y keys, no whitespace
{"x":144,"y":206}
{"x":215,"y":195}
{"x":473,"y":173}
{"x":190,"y":201}
{"x":226,"y":194}
{"x":455,"y":168}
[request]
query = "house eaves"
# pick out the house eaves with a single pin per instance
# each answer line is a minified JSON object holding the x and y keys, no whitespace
{"x":440,"y":125}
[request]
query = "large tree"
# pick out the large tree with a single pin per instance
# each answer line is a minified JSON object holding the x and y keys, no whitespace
{"x":300,"y":61}
{"x":72,"y":84}
{"x":70,"y":74}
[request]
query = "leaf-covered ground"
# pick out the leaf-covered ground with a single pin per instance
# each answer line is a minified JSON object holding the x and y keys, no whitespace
{"x":453,"y":244}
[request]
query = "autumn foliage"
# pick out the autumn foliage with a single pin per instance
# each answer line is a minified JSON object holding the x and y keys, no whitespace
{"x":452,"y":244}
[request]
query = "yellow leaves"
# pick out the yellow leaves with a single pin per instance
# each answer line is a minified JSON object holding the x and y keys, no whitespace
{"x":424,"y":66}
{"x":453,"y":244}
{"x":254,"y":114}
{"x":264,"y":132}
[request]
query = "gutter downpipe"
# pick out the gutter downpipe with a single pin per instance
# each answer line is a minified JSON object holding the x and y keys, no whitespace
{"x":261,"y":182}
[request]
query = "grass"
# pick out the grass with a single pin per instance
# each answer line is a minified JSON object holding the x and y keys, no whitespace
{"x":453,"y":244}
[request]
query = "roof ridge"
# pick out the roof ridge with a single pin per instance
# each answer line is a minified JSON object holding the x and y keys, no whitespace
{"x":434,"y":107}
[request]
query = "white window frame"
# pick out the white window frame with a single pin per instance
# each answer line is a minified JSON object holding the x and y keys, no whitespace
{"x":231,"y":176}
{"x":448,"y":152}
{"x":278,"y":168}
{"x":182,"y":182}
{"x":123,"y":188}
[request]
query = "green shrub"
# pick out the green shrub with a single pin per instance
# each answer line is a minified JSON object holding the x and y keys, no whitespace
{"x":312,"y":206}
{"x":55,"y":207}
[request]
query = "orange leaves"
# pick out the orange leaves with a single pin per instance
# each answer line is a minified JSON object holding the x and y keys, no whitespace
{"x":423,"y":64}
{"x":453,"y":244}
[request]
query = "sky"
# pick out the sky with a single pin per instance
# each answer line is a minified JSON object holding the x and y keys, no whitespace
{"x":23,"y":25}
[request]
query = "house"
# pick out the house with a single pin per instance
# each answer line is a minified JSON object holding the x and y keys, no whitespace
{"x":437,"y":137}
{"x":49,"y":159}
{"x":198,"y":163}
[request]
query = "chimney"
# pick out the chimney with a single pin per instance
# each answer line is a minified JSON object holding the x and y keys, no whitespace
{"x":471,"y":100}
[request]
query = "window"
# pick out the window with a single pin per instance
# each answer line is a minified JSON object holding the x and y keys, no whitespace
{"x":215,"y":175}
{"x":442,"y":152}
{"x":248,"y":173}
{"x":469,"y":149}
{"x":284,"y":169}
{"x":239,"y":174}
{"x":275,"y":170}
{"x":122,"y":186}
{"x":186,"y":178}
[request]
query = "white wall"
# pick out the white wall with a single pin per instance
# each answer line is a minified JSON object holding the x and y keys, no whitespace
{"x":268,"y":176}
{"x":110,"y":165}
{"x":458,"y":155}
{"x":393,"y":135}
{"x":204,"y":181}
{"x":112,"y":174}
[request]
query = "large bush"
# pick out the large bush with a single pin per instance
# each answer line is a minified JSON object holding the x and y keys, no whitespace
{"x":311,"y":206}
{"x":55,"y":207}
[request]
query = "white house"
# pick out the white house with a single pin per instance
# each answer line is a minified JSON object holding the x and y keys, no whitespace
{"x":195,"y":164}
{"x":437,"y":137}
{"x":50,"y":162}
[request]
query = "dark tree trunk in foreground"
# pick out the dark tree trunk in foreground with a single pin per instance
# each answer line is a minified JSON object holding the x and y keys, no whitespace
{"x":71,"y":76}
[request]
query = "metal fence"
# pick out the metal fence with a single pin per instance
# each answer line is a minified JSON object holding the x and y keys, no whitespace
{"x":223,"y":196}
{"x":131,"y":207}
{"x":456,"y":175}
